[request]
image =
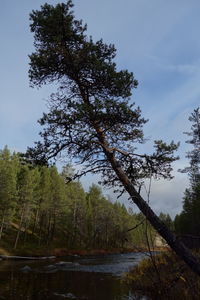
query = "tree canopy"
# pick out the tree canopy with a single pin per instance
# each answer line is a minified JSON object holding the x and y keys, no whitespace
{"x":92,"y":102}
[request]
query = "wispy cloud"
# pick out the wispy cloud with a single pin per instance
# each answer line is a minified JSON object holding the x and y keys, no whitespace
{"x":166,"y":65}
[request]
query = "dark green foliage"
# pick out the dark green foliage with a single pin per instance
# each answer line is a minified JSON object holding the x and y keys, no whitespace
{"x":92,"y":100}
{"x":189,"y":219}
{"x":63,"y":50}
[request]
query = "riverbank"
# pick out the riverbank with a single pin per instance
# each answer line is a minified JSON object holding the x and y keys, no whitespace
{"x":164,"y":277}
{"x":60,"y":252}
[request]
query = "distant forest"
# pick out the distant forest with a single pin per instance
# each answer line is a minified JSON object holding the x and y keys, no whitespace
{"x":39,"y":208}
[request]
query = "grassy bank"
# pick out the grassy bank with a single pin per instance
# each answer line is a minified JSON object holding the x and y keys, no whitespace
{"x":164,"y":277}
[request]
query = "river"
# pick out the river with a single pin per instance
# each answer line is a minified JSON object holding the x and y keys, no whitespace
{"x":91,"y":278}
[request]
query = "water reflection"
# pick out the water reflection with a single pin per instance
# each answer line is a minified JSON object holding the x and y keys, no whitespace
{"x":93,"y":278}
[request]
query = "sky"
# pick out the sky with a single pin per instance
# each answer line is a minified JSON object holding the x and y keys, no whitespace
{"x":157,"y":40}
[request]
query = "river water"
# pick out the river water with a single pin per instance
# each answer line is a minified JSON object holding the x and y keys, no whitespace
{"x":91,"y":278}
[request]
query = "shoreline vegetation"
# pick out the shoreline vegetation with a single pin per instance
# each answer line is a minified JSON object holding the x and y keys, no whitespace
{"x":164,"y":276}
{"x":41,"y":253}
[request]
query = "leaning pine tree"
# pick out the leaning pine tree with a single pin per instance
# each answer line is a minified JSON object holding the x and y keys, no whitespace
{"x":90,"y":116}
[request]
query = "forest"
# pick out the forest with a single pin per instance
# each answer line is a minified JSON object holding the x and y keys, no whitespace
{"x":39,"y":207}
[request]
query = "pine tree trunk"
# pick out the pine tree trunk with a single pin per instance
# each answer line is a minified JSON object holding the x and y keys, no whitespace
{"x":35,"y":221}
{"x":40,"y":229}
{"x":19,"y":229}
{"x":179,"y":248}
{"x":49,"y":229}
{"x":27,"y":222}
{"x":2,"y":224}
{"x":53,"y":227}
{"x":74,"y":234}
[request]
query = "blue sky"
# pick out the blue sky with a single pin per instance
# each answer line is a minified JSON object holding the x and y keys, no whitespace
{"x":158,"y":40}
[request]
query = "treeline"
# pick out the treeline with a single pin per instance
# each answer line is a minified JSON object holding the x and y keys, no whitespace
{"x":188,"y":221}
{"x":37,"y":207}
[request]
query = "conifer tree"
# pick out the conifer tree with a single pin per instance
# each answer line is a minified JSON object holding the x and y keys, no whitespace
{"x":8,"y":192}
{"x":25,"y":189}
{"x":189,"y":219}
{"x":56,"y":202}
{"x":91,"y":118}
